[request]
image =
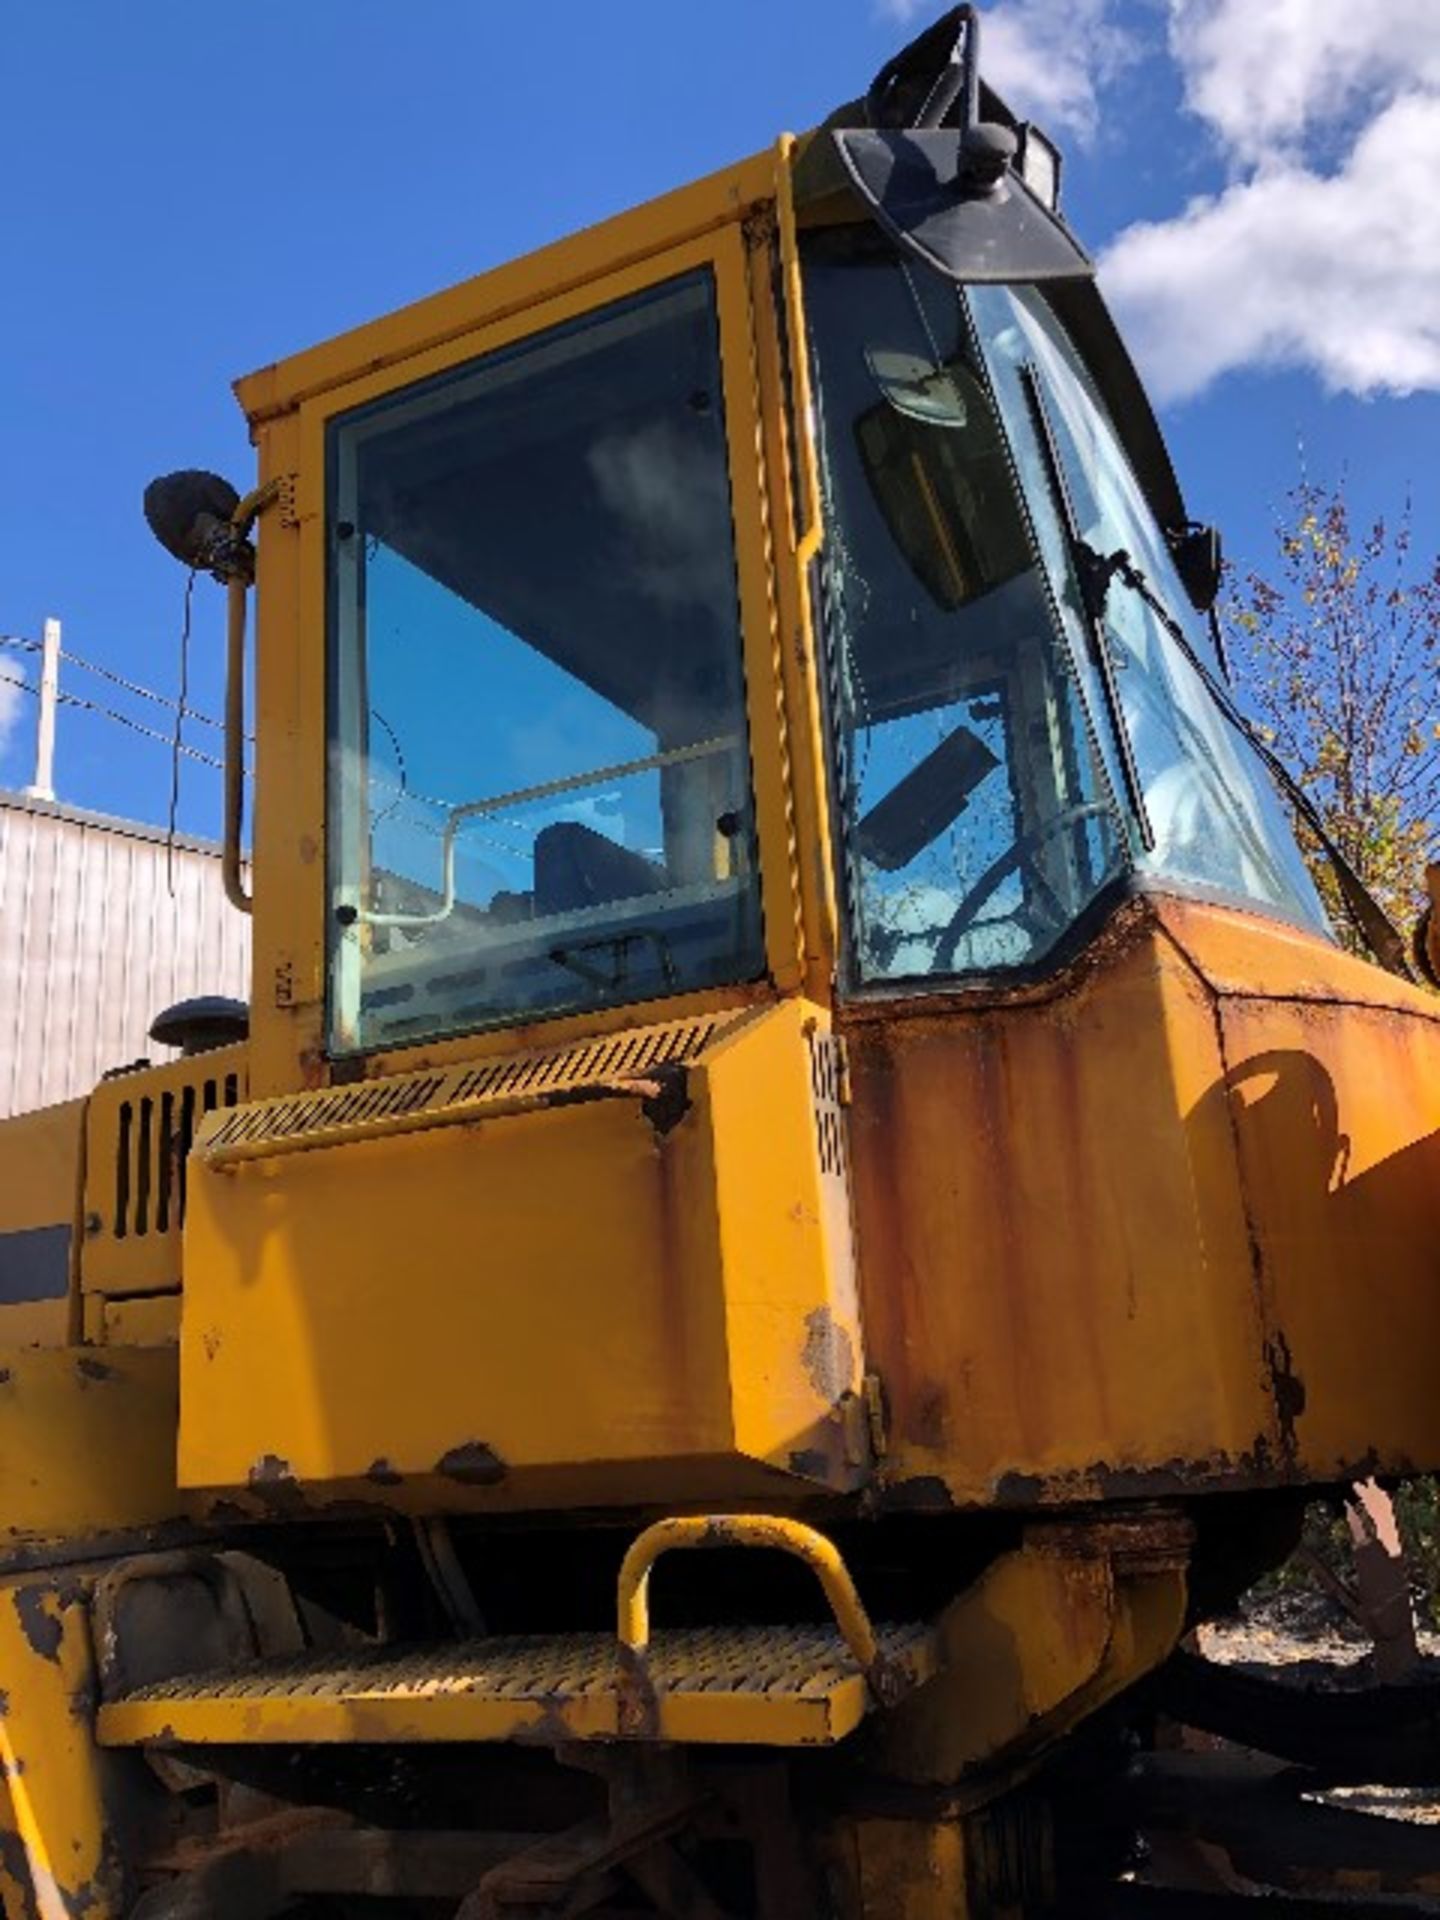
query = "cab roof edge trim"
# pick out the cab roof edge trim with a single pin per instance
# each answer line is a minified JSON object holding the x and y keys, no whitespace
{"x":590,"y":253}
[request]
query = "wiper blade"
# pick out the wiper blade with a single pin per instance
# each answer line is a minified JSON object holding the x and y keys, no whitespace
{"x":1089,"y":569}
{"x":1094,"y":573}
{"x":1369,"y":918}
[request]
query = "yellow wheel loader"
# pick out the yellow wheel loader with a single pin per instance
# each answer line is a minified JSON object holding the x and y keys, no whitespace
{"x":804,"y":1188}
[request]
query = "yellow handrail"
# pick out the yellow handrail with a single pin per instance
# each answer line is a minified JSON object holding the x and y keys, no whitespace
{"x":822,"y":1556}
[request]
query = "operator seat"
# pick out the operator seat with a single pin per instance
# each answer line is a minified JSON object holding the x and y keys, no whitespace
{"x":576,"y":867}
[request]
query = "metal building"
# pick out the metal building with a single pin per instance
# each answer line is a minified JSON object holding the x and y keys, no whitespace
{"x":94,"y":943}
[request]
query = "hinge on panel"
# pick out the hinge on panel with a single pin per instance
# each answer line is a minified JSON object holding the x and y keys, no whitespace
{"x":842,"y":1070}
{"x":285,"y":500}
{"x":759,"y":227}
{"x":872,"y":1393}
{"x":285,"y":981}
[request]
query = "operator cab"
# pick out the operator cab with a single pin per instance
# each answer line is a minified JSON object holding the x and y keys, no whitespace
{"x":540,"y":784}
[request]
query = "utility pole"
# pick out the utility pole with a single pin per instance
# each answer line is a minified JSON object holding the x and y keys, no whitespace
{"x":42,"y":787}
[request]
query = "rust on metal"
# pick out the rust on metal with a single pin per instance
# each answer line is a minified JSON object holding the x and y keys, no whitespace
{"x":1058,"y":1318}
{"x":829,"y":1355}
{"x":42,"y":1626}
{"x":273,"y":1483}
{"x":637,"y":1701}
{"x":472,"y":1464}
{"x":1143,"y":1540}
{"x":271,"y":1471}
{"x":1287,"y":1390}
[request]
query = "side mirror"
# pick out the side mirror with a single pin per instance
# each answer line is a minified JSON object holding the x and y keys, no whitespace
{"x":189,"y":513}
{"x":934,"y":460}
{"x":1199,"y":561}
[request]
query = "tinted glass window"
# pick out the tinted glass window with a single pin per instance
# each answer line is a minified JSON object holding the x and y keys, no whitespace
{"x":540,"y":788}
{"x":1215,"y":818}
{"x":977,"y":819}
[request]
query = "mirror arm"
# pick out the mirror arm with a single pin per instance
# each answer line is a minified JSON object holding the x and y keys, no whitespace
{"x":237,"y":583}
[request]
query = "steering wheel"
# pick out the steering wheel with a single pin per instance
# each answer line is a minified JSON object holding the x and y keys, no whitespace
{"x":1018,"y":858}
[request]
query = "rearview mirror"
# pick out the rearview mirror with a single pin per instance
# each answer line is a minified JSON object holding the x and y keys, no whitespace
{"x":936,"y":464}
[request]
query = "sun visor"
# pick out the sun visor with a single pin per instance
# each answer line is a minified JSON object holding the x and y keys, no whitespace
{"x":921,"y":184}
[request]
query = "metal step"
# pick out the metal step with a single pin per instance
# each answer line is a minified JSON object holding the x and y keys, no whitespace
{"x":746,"y":1686}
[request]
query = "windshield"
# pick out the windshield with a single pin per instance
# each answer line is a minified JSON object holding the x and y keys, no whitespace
{"x":1213,"y":817}
{"x":983,"y":787}
{"x":978,"y":816}
{"x":540,"y":779}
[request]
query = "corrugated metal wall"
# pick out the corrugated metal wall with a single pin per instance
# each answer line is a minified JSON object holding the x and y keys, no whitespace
{"x":93,"y":945}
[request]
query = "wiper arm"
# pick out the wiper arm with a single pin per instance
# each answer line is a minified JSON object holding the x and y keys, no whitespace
{"x":1369,"y":918}
{"x":1093,"y":575}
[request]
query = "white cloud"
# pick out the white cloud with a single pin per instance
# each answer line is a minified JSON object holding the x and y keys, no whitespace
{"x":1326,"y":265}
{"x":1270,"y":73}
{"x":12,"y":698}
{"x":1047,"y":59}
{"x":1290,"y":268}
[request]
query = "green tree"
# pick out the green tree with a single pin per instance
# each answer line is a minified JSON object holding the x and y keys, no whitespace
{"x":1337,"y":654}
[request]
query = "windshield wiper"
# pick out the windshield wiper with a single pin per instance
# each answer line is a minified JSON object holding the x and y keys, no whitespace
{"x":1094,"y":584}
{"x":1370,"y":919}
{"x":1095,"y":572}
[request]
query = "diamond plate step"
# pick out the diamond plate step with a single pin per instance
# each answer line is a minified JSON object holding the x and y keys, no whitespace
{"x":765,"y":1686}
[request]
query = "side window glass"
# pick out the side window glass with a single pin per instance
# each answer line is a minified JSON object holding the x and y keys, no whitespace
{"x":540,"y":783}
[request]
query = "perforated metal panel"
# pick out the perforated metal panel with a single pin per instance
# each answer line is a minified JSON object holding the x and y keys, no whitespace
{"x":790,"y":1686}
{"x":593,"y":1063}
{"x":139,"y":1130}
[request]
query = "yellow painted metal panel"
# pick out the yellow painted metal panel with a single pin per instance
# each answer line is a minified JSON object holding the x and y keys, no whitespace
{"x":1055,"y":1271}
{"x":584,"y":257}
{"x":36,"y":1323}
{"x":542,"y":1307}
{"x":1332,"y":1088}
{"x":87,"y":1441}
{"x":39,"y":1199}
{"x":795,"y":1337}
{"x":137,"y":1127}
{"x":796,"y":628}
{"x":40,"y":1159}
{"x":56,"y":1776}
{"x":1164,"y":1223}
{"x":769,"y":750}
{"x":708,"y":1718}
{"x":148,"y":1320}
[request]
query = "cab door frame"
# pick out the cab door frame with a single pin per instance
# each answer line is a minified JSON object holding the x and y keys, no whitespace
{"x":724,"y":225}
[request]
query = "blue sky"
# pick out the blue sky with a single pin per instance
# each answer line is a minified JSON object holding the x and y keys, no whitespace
{"x":180,"y":205}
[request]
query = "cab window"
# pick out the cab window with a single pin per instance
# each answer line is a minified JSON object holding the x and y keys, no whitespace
{"x":540,"y":781}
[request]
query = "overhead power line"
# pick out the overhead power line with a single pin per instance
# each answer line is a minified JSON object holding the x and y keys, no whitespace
{"x":120,"y":720}
{"x":182,"y":707}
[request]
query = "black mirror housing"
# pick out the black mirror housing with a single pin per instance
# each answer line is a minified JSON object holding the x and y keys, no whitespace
{"x":1200,"y":562}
